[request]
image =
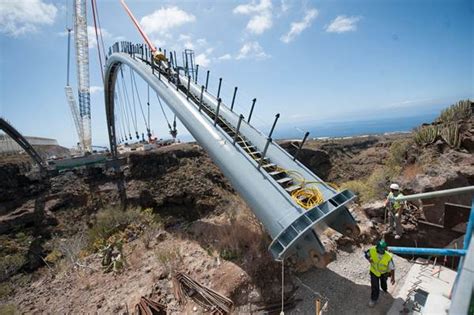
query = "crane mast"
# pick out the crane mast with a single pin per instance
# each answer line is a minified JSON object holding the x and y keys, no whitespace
{"x":82,"y":62}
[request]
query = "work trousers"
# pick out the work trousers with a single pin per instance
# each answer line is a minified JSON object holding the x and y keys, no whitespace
{"x":376,"y":283}
{"x":395,"y":223}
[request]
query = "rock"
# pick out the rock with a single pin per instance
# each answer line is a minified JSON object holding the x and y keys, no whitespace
{"x":374,"y":209}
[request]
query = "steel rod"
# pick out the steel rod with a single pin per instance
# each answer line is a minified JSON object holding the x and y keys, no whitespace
{"x":427,"y":251}
{"x":241,"y":117}
{"x":217,"y":110}
{"x":233,"y":99}
{"x":189,"y":86}
{"x":200,"y":99}
{"x":251,"y":109}
{"x":196,"y":75}
{"x":439,"y":193}
{"x":219,"y":88}
{"x":207,"y":79}
{"x":269,"y":140}
{"x":301,"y":146}
{"x":274,"y":124}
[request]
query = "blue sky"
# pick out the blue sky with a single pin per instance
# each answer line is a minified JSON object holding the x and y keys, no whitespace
{"x":311,"y":61}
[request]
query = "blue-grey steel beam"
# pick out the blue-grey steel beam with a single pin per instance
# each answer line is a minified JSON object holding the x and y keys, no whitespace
{"x":291,"y":227}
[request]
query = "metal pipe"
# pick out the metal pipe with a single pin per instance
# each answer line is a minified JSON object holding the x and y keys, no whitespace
{"x":207,"y":79}
{"x":200,"y":99}
{"x":241,"y":117}
{"x":219,"y":88}
{"x":251,"y":110}
{"x":196,"y":75}
{"x":269,"y":140}
{"x":469,"y":227}
{"x":274,"y":124}
{"x":427,"y":251}
{"x":435,"y":194}
{"x":301,"y":145}
{"x":217,"y":110}
{"x":233,"y":99}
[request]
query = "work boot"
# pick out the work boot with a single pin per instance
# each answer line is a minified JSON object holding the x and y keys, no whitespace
{"x":372,"y":303}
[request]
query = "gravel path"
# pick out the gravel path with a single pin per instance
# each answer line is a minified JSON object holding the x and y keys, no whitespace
{"x":345,"y":286}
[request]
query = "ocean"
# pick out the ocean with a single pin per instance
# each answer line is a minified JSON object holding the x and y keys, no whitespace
{"x":322,"y":129}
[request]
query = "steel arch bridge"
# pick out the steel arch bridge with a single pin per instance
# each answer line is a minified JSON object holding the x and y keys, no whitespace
{"x":22,"y":142}
{"x":257,"y":167}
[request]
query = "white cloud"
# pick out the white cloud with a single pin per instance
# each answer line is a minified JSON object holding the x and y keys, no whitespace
{"x":261,"y":15}
{"x":225,"y":57}
{"x":25,"y":16}
{"x":203,"y":60}
{"x":96,"y":89}
{"x":298,"y":27}
{"x":252,"y":50}
{"x":164,"y":19}
{"x":285,"y":6}
{"x":91,"y":35}
{"x":343,"y":24}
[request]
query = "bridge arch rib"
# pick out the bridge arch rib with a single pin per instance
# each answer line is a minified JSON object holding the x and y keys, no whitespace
{"x":290,"y":226}
{"x":22,"y":142}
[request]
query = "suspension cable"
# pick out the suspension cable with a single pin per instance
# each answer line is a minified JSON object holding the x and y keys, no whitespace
{"x":121,"y":119}
{"x":139,"y":100}
{"x":100,"y":28}
{"x":134,"y":116}
{"x":124,"y":108}
{"x":148,"y":105}
{"x":164,"y":113}
{"x":127,"y":102}
{"x":97,"y":38}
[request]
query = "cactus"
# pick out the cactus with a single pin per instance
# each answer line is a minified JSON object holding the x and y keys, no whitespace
{"x":451,"y":135}
{"x":460,"y":111}
{"x":426,"y":135}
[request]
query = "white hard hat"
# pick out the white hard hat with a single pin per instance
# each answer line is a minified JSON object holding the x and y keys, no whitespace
{"x":394,"y":187}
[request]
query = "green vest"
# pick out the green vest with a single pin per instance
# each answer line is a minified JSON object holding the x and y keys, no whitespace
{"x":379,"y":266}
{"x":395,"y":203}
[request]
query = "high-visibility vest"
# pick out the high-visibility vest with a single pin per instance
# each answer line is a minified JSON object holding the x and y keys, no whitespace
{"x":395,"y":203}
{"x":379,"y":266}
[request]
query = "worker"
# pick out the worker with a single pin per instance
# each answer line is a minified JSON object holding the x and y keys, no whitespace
{"x":381,"y":266}
{"x":395,"y":209}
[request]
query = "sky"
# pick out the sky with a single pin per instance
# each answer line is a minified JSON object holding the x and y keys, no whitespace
{"x":314,"y":62}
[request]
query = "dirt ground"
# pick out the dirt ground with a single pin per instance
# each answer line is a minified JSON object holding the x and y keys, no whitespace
{"x":344,"y":286}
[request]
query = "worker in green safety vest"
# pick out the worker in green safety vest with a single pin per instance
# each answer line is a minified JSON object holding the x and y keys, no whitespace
{"x":381,"y":266}
{"x":395,"y":209}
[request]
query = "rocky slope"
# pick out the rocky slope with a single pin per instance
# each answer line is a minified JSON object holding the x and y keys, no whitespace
{"x":204,"y":228}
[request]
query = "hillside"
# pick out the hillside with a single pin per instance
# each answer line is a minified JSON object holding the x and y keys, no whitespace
{"x":183,"y":215}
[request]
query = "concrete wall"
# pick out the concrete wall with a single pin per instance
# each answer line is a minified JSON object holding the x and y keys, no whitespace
{"x":8,"y":145}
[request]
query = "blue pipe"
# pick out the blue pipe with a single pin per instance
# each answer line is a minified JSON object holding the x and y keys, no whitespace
{"x":427,"y":251}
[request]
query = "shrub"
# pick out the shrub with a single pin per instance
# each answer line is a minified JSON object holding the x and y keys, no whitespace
{"x":425,"y":135}
{"x":372,"y":188}
{"x":451,"y":134}
{"x":9,"y":309}
{"x":130,"y":223}
{"x":5,"y":290}
{"x":169,"y":257}
{"x":10,"y":264}
{"x":460,"y":111}
{"x":398,"y":152}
